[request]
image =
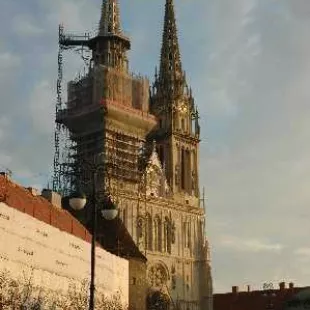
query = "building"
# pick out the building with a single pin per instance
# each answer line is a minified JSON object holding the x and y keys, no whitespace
{"x":300,"y":301}
{"x":113,"y":236}
{"x":45,"y":255}
{"x":269,"y":298}
{"x":148,"y":139}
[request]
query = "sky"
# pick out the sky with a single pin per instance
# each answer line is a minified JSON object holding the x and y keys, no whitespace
{"x":248,"y":62}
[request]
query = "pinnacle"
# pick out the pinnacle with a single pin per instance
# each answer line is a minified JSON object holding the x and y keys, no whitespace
{"x":170,"y":72}
{"x":110,"y":18}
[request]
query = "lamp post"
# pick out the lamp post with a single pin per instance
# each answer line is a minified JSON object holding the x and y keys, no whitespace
{"x":78,"y":200}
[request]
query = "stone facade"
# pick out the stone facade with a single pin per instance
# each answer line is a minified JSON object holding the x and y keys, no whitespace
{"x":148,"y":139}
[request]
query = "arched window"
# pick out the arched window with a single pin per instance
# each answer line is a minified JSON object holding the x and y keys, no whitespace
{"x":183,"y":124}
{"x":157,"y":233}
{"x":149,"y":232}
{"x":187,"y":234}
{"x":124,"y":216}
{"x":167,"y":235}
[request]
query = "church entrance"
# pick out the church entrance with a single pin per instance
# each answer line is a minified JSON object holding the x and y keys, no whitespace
{"x":158,"y":301}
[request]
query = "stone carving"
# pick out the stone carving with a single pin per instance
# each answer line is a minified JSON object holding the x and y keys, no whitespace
{"x":156,"y":183}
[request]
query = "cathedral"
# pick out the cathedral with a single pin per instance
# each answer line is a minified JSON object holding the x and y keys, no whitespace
{"x":147,"y":135}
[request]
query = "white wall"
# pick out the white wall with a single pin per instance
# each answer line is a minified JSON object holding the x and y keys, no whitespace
{"x":58,"y":258}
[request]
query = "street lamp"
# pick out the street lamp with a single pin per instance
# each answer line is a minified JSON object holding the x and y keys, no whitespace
{"x":78,"y":200}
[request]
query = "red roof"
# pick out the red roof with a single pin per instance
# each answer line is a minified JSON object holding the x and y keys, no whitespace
{"x":254,"y":300}
{"x":38,"y":207}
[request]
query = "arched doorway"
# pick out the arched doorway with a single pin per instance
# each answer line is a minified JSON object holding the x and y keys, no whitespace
{"x":158,"y":301}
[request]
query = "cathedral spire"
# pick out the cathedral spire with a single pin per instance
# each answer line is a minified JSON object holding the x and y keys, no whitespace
{"x":171,"y":76}
{"x":110,"y":18}
{"x":110,"y":45}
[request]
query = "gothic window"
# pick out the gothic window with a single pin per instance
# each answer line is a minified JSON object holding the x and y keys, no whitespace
{"x":149,"y":232}
{"x":167,"y":235}
{"x":166,"y":232}
{"x":184,"y":234}
{"x":183,"y":124}
{"x":139,"y":227}
{"x":187,"y":234}
{"x":157,"y":233}
{"x":183,"y":169}
{"x":124,"y":216}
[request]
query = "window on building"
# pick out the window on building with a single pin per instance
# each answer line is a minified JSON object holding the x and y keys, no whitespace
{"x":149,"y":232}
{"x":183,"y":169}
{"x":157,"y":233}
{"x":167,"y":235}
{"x":186,"y":234}
{"x":124,"y":216}
{"x":183,"y":124}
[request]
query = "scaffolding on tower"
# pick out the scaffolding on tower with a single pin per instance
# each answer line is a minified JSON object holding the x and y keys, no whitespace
{"x":63,"y":165}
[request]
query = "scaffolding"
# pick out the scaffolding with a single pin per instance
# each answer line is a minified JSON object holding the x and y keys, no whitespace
{"x":64,"y":146}
{"x":82,"y":131}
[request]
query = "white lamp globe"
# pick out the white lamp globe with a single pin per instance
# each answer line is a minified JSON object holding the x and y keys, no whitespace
{"x":77,"y":201}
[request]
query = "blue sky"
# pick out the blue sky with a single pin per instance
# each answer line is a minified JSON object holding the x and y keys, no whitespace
{"x":248,"y":62}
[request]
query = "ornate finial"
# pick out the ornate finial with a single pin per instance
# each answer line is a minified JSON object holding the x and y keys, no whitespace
{"x":110,"y":18}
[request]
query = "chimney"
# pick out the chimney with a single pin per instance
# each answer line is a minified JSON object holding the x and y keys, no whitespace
{"x":53,"y":197}
{"x":282,"y":286}
{"x":291,"y":285}
{"x":33,"y":191}
{"x":248,"y":288}
{"x":235,"y":289}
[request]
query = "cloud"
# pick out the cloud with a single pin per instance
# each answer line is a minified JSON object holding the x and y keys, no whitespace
{"x":41,"y":105}
{"x":303,"y":252}
{"x":25,"y":26}
{"x":8,"y":62}
{"x":248,"y":245}
{"x":4,"y":124}
{"x":5,"y":160}
{"x":249,"y":69}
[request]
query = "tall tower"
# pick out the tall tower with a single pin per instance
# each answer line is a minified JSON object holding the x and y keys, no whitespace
{"x":177,"y":133}
{"x":150,"y":142}
{"x":111,"y":45}
{"x":107,"y":112}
